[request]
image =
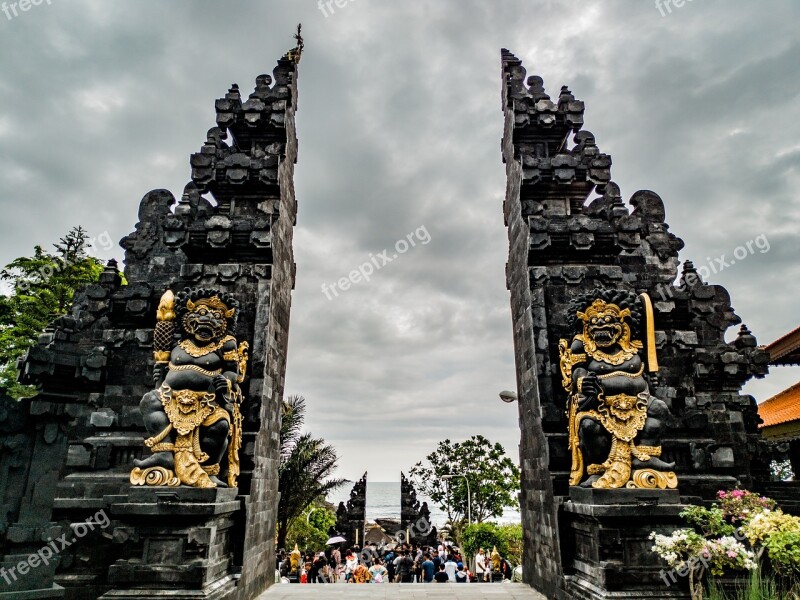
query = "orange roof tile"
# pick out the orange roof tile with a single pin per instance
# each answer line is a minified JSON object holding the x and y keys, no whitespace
{"x":781,"y":408}
{"x":785,"y":350}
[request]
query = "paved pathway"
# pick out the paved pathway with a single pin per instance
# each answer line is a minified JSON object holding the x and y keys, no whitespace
{"x":410,"y":591}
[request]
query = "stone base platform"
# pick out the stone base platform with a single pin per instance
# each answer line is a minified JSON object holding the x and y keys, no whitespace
{"x":393,"y":591}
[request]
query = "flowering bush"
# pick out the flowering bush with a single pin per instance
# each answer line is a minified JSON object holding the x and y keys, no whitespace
{"x":741,"y":505}
{"x":710,"y":521}
{"x":767,"y":523}
{"x":727,"y":553}
{"x":732,"y":535}
{"x":680,"y":547}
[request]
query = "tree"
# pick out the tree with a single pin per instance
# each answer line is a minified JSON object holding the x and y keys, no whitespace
{"x":306,"y":465}
{"x":486,"y":536}
{"x":506,"y":538}
{"x":42,"y":288}
{"x":310,"y":530}
{"x":493,"y":479}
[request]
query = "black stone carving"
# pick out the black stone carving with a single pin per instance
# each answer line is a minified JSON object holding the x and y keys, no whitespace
{"x":415,"y":518}
{"x":75,"y":443}
{"x":351,"y":517}
{"x":570,"y":233}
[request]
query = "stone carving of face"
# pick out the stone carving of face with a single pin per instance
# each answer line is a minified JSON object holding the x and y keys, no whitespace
{"x":625,"y":407}
{"x":205,"y":323}
{"x":605,"y":329}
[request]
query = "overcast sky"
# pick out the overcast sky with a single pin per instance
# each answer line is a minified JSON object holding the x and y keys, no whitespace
{"x":399,"y":124}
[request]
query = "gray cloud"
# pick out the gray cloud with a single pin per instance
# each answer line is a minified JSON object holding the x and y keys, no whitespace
{"x":399,"y":124}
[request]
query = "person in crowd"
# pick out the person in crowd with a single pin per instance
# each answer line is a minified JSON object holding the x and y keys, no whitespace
{"x":436,"y":559}
{"x":350,"y":564}
{"x":450,"y":568}
{"x":336,"y":562}
{"x":416,"y":570}
{"x":313,"y":570}
{"x":378,"y":572}
{"x":461,"y":574}
{"x":480,"y":565}
{"x":360,"y":574}
{"x":441,"y":576}
{"x":388,"y":562}
{"x":428,"y":569}
{"x":506,"y":569}
{"x":324,"y":570}
{"x":403,"y":567}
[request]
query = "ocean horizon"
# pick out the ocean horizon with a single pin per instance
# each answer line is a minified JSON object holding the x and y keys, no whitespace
{"x":383,"y":502}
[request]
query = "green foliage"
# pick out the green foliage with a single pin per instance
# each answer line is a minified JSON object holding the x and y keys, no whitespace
{"x":757,"y":587}
{"x":512,"y":533}
{"x":738,"y":532}
{"x":506,"y":538}
{"x":310,"y":531}
{"x":42,"y":288}
{"x":710,"y":521}
{"x":486,"y":536}
{"x":783,"y":548}
{"x":305,"y":469}
{"x":493,"y":479}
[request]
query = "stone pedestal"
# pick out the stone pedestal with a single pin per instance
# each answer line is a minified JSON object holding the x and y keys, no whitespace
{"x":606,"y":550}
{"x":28,"y":567}
{"x":175,"y":542}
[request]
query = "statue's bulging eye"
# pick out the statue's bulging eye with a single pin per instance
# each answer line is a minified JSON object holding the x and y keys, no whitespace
{"x":608,"y":319}
{"x":594,"y":321}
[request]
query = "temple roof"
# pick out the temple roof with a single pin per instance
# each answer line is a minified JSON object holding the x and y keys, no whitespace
{"x":785,"y":351}
{"x":784,"y":407}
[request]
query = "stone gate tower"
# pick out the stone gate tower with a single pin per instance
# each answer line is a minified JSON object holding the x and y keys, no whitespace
{"x":68,"y":452}
{"x":571,"y":234}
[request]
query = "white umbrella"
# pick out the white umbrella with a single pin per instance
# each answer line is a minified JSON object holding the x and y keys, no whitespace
{"x":335,"y":540}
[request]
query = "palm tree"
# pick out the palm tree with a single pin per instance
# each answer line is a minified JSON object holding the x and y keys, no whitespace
{"x":306,"y":464}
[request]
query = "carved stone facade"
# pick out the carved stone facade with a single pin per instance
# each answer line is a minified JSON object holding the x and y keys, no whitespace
{"x":415,"y":518}
{"x":74,"y":443}
{"x":351,"y":518}
{"x":570,"y":232}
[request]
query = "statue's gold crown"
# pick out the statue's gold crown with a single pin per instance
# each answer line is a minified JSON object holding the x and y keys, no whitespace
{"x":214,"y":303}
{"x":600,"y":309}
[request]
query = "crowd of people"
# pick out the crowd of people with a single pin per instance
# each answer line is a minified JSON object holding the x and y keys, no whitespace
{"x":400,"y":564}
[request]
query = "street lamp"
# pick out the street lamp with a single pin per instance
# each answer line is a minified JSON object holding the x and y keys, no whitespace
{"x":469,"y":496}
{"x":508,"y":397}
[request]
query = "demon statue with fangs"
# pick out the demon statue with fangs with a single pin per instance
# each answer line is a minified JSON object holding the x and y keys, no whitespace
{"x":193,"y":415}
{"x":615,"y":424}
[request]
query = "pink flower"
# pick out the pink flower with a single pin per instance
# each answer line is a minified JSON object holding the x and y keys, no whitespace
{"x":737,"y":493}
{"x":721,"y":494}
{"x":732,"y":554}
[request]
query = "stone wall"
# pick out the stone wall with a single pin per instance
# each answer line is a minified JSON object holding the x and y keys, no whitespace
{"x":570,"y":233}
{"x":230,"y":231}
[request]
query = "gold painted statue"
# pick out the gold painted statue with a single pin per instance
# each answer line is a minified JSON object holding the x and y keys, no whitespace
{"x":193,"y":415}
{"x":495,"y":556}
{"x":615,"y":423}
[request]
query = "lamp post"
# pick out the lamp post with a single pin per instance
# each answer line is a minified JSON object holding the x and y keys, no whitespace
{"x":469,"y":495}
{"x":308,"y":516}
